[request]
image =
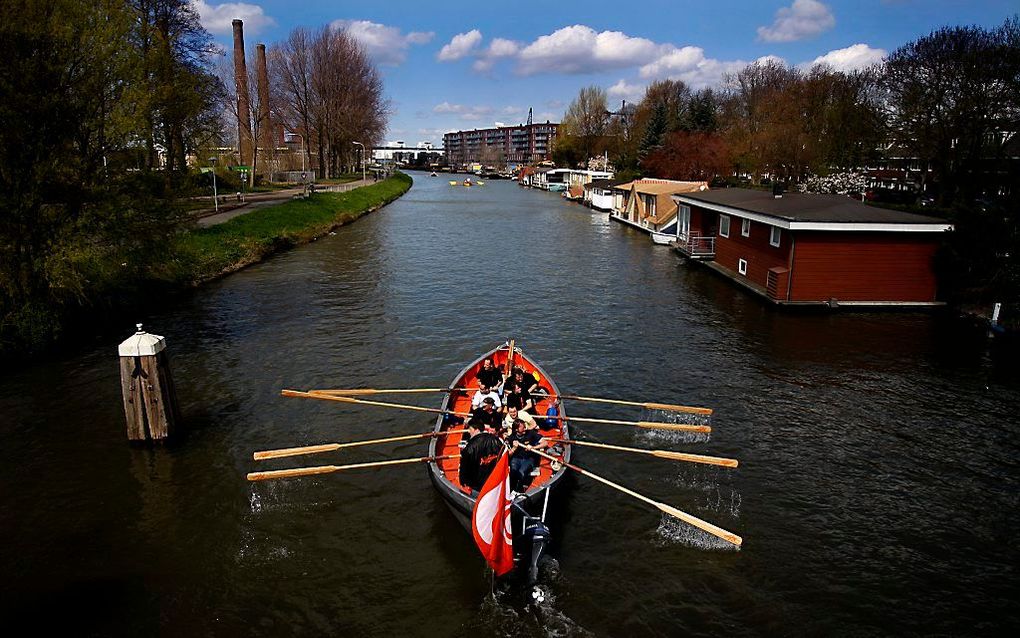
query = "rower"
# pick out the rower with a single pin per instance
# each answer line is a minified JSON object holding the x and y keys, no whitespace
{"x":478,"y":457}
{"x":512,"y":414}
{"x":516,"y":395}
{"x":489,"y":375}
{"x":482,"y":393}
{"x":522,"y":461}
{"x":525,"y":378}
{"x":487,"y":415}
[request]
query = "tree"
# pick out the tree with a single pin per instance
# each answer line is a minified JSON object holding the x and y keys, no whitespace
{"x":290,"y":66}
{"x":685,"y":155}
{"x":89,"y":90}
{"x":175,"y":89}
{"x":948,"y":93}
{"x":587,"y":119}
{"x":655,"y":130}
{"x":763,"y":123}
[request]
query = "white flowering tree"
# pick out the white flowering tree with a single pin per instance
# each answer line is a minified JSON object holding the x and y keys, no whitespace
{"x":836,"y":183}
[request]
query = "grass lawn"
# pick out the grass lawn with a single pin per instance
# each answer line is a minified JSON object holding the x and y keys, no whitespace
{"x":206,"y":253}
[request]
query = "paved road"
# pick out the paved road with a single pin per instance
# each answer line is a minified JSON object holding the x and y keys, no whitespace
{"x":261,"y":200}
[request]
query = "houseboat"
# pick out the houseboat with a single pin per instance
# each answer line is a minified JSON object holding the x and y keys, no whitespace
{"x":598,"y":194}
{"x":577,"y":179}
{"x":646,"y":204}
{"x":802,"y":248}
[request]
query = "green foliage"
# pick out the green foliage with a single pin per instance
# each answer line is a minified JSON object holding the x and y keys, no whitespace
{"x":567,"y":151}
{"x":88,"y":91}
{"x":206,"y":253}
{"x":655,"y":130}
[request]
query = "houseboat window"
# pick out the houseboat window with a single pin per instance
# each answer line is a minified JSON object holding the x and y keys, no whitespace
{"x":745,"y":227}
{"x":650,"y":204}
{"x":724,"y":225}
{"x":777,"y":234}
{"x":742,"y":266}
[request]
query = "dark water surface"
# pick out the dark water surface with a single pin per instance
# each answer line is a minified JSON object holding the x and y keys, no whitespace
{"x":877,"y":492}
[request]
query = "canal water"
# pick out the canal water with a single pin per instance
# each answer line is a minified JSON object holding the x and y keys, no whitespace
{"x":877,"y":492}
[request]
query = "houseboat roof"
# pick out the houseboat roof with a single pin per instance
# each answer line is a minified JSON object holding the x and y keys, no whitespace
{"x":811,"y":211}
{"x":602,"y":183}
{"x":661,"y":186}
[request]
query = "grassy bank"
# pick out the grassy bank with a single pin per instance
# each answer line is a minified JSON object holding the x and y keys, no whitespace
{"x":110,"y":281}
{"x":206,"y":253}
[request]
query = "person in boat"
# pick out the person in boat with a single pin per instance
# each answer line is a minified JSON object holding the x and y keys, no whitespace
{"x":512,"y":414}
{"x":490,"y":374}
{"x":523,"y":461}
{"x":487,"y":415}
{"x":484,"y":391}
{"x":526,"y":379}
{"x":479,"y":456}
{"x":517,"y":396}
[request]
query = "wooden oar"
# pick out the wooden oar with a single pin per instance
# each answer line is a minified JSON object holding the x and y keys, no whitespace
{"x":327,"y":469}
{"x":671,"y":407}
{"x":510,"y":359}
{"x":662,"y":454}
{"x":330,"y":447}
{"x":650,"y":406}
{"x":719,"y":532}
{"x":652,"y":425}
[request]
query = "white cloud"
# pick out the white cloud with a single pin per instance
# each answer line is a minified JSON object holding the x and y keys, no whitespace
{"x":853,"y":58}
{"x":803,"y":19}
{"x":483,"y":65}
{"x":384,"y":44}
{"x":502,"y":48}
{"x":580,"y":49}
{"x":625,"y":91}
{"x":692,"y":66}
{"x":498,"y":48}
{"x":461,"y":45}
{"x":468,"y":113}
{"x":217,"y":19}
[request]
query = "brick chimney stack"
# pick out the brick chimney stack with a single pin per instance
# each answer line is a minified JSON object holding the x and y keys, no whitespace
{"x":244,"y":140}
{"x":265,"y":123}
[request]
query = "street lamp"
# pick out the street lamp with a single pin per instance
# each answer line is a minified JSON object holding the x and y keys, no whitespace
{"x":362,"y":159}
{"x":215,"y":196}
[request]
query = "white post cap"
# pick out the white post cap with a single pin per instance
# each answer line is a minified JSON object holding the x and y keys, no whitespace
{"x":141,"y":344}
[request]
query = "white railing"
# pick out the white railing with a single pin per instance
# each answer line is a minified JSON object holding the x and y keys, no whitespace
{"x":697,"y":245}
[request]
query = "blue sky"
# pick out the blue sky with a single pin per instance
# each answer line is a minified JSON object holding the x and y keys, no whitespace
{"x":461,"y":65}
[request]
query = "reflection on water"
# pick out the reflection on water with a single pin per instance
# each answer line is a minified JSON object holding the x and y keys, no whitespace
{"x":876,"y":494}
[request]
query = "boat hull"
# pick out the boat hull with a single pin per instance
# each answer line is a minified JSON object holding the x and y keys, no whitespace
{"x":443,"y":474}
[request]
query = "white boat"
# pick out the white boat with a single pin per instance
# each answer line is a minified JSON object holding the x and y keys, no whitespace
{"x":663,"y":239}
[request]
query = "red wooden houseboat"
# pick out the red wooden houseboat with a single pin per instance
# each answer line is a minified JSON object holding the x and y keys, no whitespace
{"x":799,"y":248}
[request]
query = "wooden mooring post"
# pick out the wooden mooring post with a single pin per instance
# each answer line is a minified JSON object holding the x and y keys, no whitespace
{"x":150,"y":401}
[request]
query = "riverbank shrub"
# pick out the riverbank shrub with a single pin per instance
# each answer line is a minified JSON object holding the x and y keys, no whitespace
{"x":95,"y":277}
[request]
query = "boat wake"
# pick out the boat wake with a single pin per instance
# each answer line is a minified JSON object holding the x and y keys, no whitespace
{"x":668,"y":436}
{"x":674,"y":532}
{"x":512,"y":610}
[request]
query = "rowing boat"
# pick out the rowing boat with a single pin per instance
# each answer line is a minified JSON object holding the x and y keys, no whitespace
{"x":663,"y":239}
{"x":533,"y":503}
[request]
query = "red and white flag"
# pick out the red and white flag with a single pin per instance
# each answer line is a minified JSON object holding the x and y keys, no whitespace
{"x":490,"y":520}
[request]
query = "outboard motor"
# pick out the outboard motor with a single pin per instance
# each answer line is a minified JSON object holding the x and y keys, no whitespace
{"x":538,"y":535}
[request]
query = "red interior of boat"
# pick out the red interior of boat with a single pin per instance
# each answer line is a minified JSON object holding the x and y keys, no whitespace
{"x":461,"y":402}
